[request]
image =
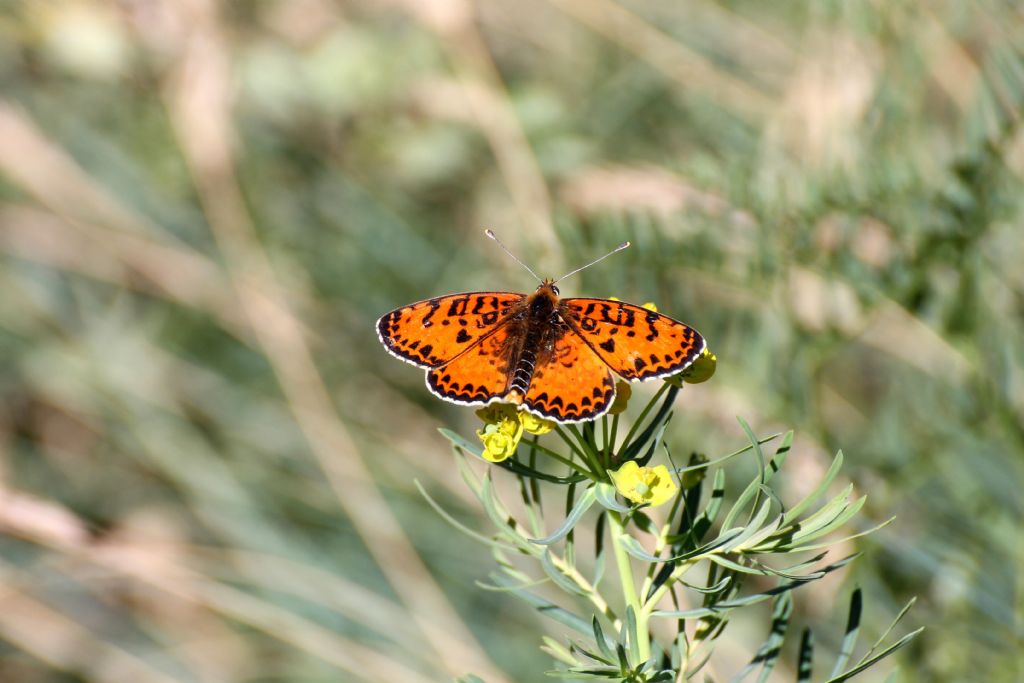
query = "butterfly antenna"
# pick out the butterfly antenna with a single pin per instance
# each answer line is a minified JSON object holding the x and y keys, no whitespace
{"x":490,"y":233}
{"x":613,"y":251}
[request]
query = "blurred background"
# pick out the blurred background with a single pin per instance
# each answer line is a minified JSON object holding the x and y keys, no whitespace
{"x":207,"y":462}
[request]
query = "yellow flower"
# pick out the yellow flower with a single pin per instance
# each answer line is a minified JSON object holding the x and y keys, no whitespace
{"x":496,"y":412}
{"x":622,"y":394}
{"x":651,"y":485}
{"x":535,"y":425}
{"x":502,"y":431}
{"x":700,"y":371}
{"x":650,"y":306}
{"x":498,"y":446}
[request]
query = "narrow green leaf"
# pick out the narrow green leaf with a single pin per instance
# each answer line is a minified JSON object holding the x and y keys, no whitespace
{"x":513,"y":587}
{"x":759,"y":535}
{"x":838,"y":541}
{"x":632,"y":637}
{"x":768,"y":654}
{"x":881,"y":655}
{"x":753,"y":488}
{"x":657,"y":439}
{"x":735,"y":566}
{"x":633,"y":547}
{"x":752,"y":527}
{"x":532,"y":473}
{"x":797,"y":510}
{"x":602,"y":641}
{"x":455,"y":523}
{"x":467,"y":474}
{"x":599,"y":554}
{"x":831,"y":516}
{"x":805,"y":660}
{"x":826,"y":517}
{"x":630,"y":446}
{"x":587,"y":674}
{"x":560,"y":579}
{"x":558,"y":651}
{"x":707,"y":518}
{"x":755,"y":444}
{"x":850,"y":636}
{"x":592,"y":656}
{"x":462,"y":443}
{"x":549,"y":609}
{"x":710,"y":590}
{"x":728,"y":605}
{"x":501,"y":519}
{"x":570,"y":537}
{"x":881,"y":639}
{"x":605,"y":494}
{"x":783,"y":450}
{"x":724,"y":458}
{"x":577,"y":512}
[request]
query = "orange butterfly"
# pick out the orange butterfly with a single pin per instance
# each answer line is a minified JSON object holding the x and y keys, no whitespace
{"x":554,"y":357}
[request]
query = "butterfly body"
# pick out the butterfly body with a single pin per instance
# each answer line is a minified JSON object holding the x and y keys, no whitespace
{"x":552,"y":356}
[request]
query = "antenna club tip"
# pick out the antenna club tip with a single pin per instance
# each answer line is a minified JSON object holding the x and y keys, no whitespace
{"x":625,"y":244}
{"x":489,"y":233}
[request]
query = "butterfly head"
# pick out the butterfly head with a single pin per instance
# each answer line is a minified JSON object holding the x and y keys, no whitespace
{"x":548,"y":285}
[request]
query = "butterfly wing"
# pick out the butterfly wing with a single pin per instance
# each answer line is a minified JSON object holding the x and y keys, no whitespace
{"x":571,"y":383}
{"x":435,"y":331}
{"x":477,"y":376}
{"x":636,"y":343}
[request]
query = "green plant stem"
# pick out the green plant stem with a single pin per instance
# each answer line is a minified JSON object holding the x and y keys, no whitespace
{"x":611,"y":439}
{"x":588,"y":445}
{"x":676,"y":574}
{"x":629,"y":593}
{"x":643,"y":414}
{"x":660,"y":544}
{"x":562,"y":459}
{"x":593,"y":595}
{"x":606,"y":449}
{"x":585,"y":454}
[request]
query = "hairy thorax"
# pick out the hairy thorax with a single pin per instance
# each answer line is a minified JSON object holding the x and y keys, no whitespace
{"x":536,"y":328}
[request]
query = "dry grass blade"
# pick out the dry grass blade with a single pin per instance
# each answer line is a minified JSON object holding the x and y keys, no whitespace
{"x":486,"y":96}
{"x":200,"y":110}
{"x":689,"y":69}
{"x":66,"y":644}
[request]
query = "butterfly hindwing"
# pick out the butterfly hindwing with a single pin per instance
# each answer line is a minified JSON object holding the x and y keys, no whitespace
{"x":634,"y":342}
{"x":434,"y":331}
{"x":475,"y":377}
{"x":571,"y":383}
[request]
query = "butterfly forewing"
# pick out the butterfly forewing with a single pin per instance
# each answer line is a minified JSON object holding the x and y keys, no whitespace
{"x":634,"y":342}
{"x":432,"y":332}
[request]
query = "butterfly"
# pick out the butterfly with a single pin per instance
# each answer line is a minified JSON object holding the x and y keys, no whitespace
{"x":553,"y":357}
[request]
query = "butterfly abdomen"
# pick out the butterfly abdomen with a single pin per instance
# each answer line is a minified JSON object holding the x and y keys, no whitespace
{"x":540,"y":327}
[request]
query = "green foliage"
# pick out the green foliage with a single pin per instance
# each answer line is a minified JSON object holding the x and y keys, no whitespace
{"x":830,"y":192}
{"x":686,"y":544}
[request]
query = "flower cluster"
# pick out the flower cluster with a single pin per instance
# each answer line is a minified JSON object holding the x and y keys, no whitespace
{"x":644,"y":485}
{"x":700,"y":371}
{"x":504,"y":425}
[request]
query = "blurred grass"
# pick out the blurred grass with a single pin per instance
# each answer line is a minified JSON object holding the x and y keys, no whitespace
{"x":206,"y":460}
